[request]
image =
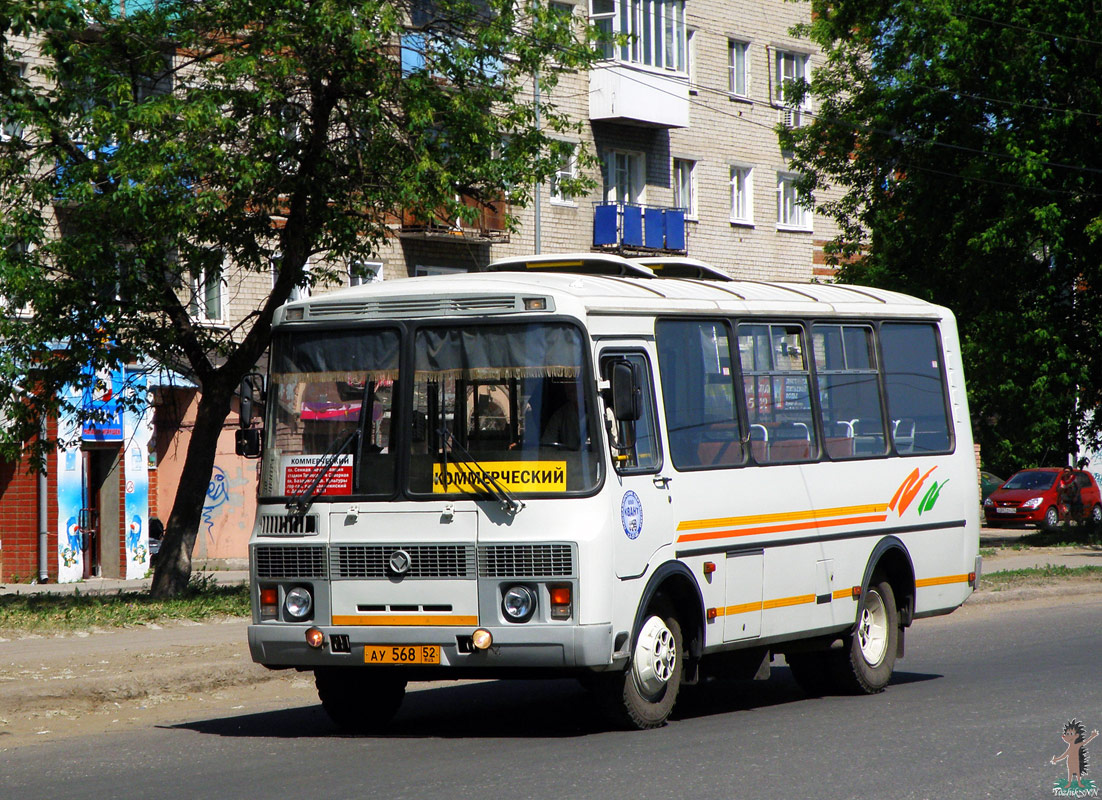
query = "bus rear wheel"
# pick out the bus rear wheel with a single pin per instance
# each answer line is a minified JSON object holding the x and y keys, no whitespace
{"x":643,"y":695}
{"x":358,"y":701}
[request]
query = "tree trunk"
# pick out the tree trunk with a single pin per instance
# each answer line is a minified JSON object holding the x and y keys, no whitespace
{"x":173,"y":571}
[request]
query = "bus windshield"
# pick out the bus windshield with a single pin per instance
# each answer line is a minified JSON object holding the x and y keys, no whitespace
{"x":514,"y":399}
{"x":509,"y":400}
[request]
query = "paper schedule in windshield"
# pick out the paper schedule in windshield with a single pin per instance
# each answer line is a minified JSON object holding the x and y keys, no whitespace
{"x":514,"y":476}
{"x":300,"y":471}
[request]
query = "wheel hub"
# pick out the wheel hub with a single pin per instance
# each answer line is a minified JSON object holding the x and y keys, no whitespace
{"x":872,"y":629}
{"x":655,"y":657}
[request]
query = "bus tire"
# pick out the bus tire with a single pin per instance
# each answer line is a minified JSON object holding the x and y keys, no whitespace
{"x":356,"y":701}
{"x":642,"y":696}
{"x":867,"y":663}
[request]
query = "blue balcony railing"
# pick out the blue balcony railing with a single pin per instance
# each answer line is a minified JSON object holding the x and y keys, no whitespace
{"x":634,"y":227}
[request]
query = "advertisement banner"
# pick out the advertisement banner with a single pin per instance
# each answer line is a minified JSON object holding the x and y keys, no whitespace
{"x":70,"y":472}
{"x":137,"y":431}
{"x":101,"y":409}
{"x":300,"y":471}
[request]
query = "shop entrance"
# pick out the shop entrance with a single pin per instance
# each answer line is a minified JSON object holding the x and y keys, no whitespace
{"x":99,"y":517}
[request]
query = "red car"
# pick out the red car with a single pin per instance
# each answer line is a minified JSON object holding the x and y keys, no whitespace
{"x":1032,"y":497}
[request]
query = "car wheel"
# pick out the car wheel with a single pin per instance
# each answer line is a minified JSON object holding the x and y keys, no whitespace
{"x":1052,"y":518}
{"x":1096,"y":514}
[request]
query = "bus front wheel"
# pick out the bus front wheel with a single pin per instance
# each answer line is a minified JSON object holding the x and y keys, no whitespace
{"x":356,"y":701}
{"x":870,"y":657}
{"x":643,"y":696}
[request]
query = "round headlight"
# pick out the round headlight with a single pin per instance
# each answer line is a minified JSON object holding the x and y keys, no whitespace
{"x":298,"y":603}
{"x":518,"y":603}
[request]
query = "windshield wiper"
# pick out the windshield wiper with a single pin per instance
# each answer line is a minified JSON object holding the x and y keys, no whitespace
{"x":323,"y":469}
{"x":509,"y":504}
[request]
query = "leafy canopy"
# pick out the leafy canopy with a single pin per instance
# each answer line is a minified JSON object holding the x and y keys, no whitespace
{"x":960,"y":139}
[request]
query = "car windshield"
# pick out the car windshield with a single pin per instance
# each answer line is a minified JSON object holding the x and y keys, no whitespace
{"x":513,"y":402}
{"x":325,"y":387}
{"x":1031,"y":479}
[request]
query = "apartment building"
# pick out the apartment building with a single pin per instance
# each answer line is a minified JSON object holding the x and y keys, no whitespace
{"x":683,"y":123}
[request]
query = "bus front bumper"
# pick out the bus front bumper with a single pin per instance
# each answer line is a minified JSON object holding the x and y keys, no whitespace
{"x":514,"y":646}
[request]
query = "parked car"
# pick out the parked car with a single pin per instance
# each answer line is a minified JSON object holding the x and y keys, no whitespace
{"x":1031,"y":497}
{"x":989,"y":482}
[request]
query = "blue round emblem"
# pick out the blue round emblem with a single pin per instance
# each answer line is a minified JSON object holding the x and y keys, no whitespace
{"x":631,"y":514}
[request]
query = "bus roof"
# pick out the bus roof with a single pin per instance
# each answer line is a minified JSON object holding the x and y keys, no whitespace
{"x":506,"y":292}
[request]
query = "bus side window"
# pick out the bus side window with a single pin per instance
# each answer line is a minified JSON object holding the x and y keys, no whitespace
{"x":915,"y":381}
{"x":643,"y":455}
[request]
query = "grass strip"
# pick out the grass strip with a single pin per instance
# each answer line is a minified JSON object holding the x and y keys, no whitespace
{"x":59,"y":613}
{"x":1035,"y":576}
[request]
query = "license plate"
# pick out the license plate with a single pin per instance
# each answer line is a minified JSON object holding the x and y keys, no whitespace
{"x":402,"y":654}
{"x":1002,"y":510}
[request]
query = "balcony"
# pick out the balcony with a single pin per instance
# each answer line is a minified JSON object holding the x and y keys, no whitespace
{"x":489,"y":226}
{"x":638,"y":229}
{"x":635,"y":96}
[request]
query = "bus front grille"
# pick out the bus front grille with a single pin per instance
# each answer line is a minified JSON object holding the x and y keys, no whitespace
{"x":290,"y":562}
{"x":525,"y":561}
{"x":425,"y":561}
{"x":287,"y":524}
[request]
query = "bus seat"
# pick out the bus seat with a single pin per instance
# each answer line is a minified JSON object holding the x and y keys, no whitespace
{"x":903,"y":434}
{"x":720,"y":445}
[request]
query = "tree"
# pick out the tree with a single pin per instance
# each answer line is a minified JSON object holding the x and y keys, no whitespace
{"x":961,"y":141}
{"x":188,"y":143}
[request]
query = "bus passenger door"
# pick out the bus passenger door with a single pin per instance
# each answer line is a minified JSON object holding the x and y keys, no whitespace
{"x":643,"y":503}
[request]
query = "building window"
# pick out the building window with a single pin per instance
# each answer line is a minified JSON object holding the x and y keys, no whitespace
{"x":566,"y":172}
{"x":656,"y":31}
{"x":299,"y":292}
{"x":790,"y":67}
{"x":684,"y":186}
{"x":208,"y":295}
{"x":742,"y":197}
{"x":625,"y":177}
{"x":361,"y":272}
{"x":738,"y":82}
{"x":793,"y":213}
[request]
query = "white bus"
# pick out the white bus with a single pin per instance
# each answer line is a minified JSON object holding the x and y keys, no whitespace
{"x":570,"y":465}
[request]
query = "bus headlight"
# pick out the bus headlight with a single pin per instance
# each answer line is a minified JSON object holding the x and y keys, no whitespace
{"x":518,"y":603}
{"x":298,"y":603}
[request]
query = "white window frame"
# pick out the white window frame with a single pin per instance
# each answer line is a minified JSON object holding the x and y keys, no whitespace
{"x":684,"y":186}
{"x":789,"y":66}
{"x":420,"y":270}
{"x":792,"y":215}
{"x":200,"y":301}
{"x":738,"y":68}
{"x":741,"y":186}
{"x":357,"y":269}
{"x":630,"y":165}
{"x":568,"y":170}
{"x":297,"y":292}
{"x":656,"y":30}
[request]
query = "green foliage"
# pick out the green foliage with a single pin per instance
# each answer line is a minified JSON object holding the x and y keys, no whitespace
{"x":961,"y":140}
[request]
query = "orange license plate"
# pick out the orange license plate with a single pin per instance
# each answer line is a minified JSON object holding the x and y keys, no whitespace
{"x":402,"y":654}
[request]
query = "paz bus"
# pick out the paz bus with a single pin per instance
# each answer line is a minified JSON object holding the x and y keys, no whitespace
{"x":580,"y":465}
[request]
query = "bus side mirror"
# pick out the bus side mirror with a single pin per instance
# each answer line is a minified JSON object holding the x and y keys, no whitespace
{"x":250,"y":397}
{"x":626,"y":392}
{"x":247,"y":442}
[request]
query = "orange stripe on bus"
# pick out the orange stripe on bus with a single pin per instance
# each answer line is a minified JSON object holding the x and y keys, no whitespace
{"x":795,"y":526}
{"x":842,"y":594}
{"x":741,"y":608}
{"x":781,"y":602}
{"x":941,"y":581}
{"x":404,"y":619}
{"x":783,"y":516}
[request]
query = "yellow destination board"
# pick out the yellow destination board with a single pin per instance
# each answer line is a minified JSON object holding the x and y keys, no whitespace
{"x":513,"y":476}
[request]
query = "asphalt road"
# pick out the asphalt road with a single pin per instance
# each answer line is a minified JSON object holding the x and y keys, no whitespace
{"x":976,"y":710}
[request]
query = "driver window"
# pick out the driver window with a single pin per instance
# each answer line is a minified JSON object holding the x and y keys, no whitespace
{"x":644,"y":454}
